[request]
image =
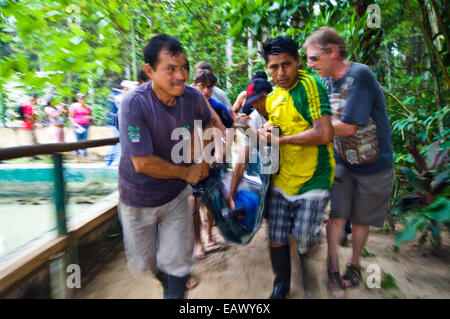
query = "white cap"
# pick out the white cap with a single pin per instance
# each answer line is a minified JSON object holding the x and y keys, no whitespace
{"x":129,"y":84}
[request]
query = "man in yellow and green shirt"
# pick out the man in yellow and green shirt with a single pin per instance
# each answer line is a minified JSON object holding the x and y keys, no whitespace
{"x":299,"y":106}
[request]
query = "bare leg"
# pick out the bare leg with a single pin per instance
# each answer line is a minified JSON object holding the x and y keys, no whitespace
{"x":199,"y":252}
{"x":207,"y":221}
{"x":335,"y":228}
{"x":359,"y":240}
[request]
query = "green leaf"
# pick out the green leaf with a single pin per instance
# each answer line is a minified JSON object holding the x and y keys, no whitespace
{"x":388,"y":281}
{"x":409,"y":233}
{"x":417,"y":158}
{"x":436,"y":231}
{"x":412,"y":177}
{"x":365,"y":253}
{"x":439,"y":179}
{"x":439,"y":210}
{"x":431,"y":153}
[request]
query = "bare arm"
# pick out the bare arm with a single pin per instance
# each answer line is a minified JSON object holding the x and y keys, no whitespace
{"x":342,"y":129}
{"x":90,"y":116}
{"x":238,"y":172}
{"x":156,"y":167}
{"x":53,"y":114}
{"x":238,"y":104}
{"x":71,"y":119}
{"x":320,"y":134}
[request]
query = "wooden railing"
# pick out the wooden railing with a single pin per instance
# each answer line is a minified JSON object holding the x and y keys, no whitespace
{"x":27,"y":264}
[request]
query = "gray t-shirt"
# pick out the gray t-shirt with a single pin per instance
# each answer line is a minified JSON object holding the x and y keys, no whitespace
{"x":146,"y":126}
{"x":220,"y":95}
{"x":357,"y":99}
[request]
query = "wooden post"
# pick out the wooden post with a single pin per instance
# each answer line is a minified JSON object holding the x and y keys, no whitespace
{"x":59,"y":195}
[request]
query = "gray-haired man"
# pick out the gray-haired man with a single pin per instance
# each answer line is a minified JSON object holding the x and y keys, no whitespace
{"x":362,"y":148}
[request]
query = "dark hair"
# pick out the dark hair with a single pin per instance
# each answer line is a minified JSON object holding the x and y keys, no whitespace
{"x":156,"y":44}
{"x":203,"y":65}
{"x":142,"y":76}
{"x":259,"y":75}
{"x":204,"y":76}
{"x":278,"y":45}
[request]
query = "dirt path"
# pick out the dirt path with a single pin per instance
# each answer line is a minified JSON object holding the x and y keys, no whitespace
{"x":244,"y":271}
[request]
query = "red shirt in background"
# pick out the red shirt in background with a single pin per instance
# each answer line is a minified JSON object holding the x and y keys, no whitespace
{"x":28,"y":121}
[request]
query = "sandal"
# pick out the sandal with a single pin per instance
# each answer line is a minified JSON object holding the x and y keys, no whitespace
{"x":335,"y":284}
{"x":353,"y":275}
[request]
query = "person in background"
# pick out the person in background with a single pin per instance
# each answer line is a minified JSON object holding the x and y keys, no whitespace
{"x":218,"y":94}
{"x":80,"y":116}
{"x":56,"y":116}
{"x":29,"y":118}
{"x":204,"y":81}
{"x":28,"y":114}
{"x":241,"y":99}
{"x":256,"y":95}
{"x":142,"y":77}
{"x":112,"y":157}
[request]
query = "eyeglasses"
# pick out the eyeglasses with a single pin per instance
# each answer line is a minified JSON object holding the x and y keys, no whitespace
{"x":203,"y":86}
{"x":315,"y":58}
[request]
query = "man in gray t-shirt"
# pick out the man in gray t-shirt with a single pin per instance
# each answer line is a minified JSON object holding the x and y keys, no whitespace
{"x":153,"y":186}
{"x":362,"y":149}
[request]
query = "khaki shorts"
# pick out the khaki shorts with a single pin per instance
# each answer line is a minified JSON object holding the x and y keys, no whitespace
{"x":159,"y":238}
{"x":363,"y":199}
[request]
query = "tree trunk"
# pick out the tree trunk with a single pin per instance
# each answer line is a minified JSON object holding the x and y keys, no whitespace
{"x":133,"y":51}
{"x":428,"y":37}
{"x":229,"y":55}
{"x":249,"y":53}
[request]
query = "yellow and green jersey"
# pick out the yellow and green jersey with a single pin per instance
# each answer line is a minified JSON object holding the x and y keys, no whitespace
{"x":302,"y":168}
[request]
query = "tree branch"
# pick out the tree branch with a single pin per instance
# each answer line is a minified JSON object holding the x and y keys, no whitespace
{"x":431,"y":46}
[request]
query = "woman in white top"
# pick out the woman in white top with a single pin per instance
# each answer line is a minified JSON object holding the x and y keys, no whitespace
{"x":56,"y":121}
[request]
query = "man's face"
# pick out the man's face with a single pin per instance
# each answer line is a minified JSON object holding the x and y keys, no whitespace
{"x":283,"y":68}
{"x":206,"y":88}
{"x":319,"y":61}
{"x":260,"y":105}
{"x":170,"y":74}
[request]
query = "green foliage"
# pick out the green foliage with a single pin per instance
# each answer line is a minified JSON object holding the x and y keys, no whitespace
{"x":365,"y":253}
{"x":388,"y":281}
{"x":428,"y":207}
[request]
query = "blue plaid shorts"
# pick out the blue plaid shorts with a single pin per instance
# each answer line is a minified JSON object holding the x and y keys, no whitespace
{"x":302,"y":218}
